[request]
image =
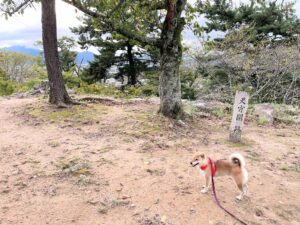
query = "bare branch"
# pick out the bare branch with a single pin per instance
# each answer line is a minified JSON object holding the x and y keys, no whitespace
{"x":18,"y":8}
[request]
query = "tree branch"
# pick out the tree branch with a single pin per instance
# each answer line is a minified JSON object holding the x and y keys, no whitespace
{"x":105,"y":20}
{"x":18,"y":8}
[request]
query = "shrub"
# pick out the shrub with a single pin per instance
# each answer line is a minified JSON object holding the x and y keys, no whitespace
{"x":98,"y":89}
{"x":71,"y":81}
{"x":7,"y":87}
{"x":188,"y":84}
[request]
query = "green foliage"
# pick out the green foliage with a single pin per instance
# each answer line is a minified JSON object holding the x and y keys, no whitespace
{"x":7,"y":87}
{"x":67,"y":57}
{"x":188,"y":90}
{"x":103,"y":90}
{"x":29,"y":85}
{"x":2,"y":74}
{"x":20,"y":67}
{"x":267,"y":18}
{"x":71,"y":81}
{"x":151,"y":87}
{"x":131,"y":57}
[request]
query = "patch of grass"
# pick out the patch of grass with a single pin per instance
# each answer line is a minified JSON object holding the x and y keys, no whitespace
{"x":157,"y":172}
{"x":106,"y":149}
{"x":35,"y":112}
{"x":108,"y":90}
{"x":75,"y":167}
{"x":119,"y":203}
{"x":285,"y":113}
{"x":261,"y":121}
{"x":297,"y":168}
{"x":245,"y":143}
{"x":284,"y":167}
{"x":146,"y":146}
{"x":220,"y":113}
{"x":253,"y":156}
{"x":54,"y":144}
{"x":83,"y":181}
{"x":78,"y":113}
{"x":107,"y":204}
{"x":103,"y":161}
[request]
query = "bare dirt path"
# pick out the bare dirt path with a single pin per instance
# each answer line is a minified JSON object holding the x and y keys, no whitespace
{"x":124,"y":165}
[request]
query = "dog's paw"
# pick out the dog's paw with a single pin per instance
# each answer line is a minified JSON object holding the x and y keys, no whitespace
{"x":204,"y":190}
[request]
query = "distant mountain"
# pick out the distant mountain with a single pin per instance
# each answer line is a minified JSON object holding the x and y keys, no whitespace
{"x":82,"y":57}
{"x":24,"y":50}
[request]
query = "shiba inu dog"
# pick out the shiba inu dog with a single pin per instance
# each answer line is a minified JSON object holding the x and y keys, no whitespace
{"x":234,"y":167}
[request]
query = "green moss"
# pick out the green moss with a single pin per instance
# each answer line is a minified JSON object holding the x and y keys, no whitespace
{"x":76,"y":113}
{"x":284,"y":167}
{"x":261,"y":121}
{"x":297,"y":169}
{"x":36,"y":112}
{"x":220,"y":113}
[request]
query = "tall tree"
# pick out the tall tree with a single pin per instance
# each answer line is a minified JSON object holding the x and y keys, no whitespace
{"x":58,"y":93}
{"x":129,"y":56}
{"x":168,"y":40}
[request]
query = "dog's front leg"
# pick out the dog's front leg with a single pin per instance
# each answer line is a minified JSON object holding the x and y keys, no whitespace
{"x":207,"y":184}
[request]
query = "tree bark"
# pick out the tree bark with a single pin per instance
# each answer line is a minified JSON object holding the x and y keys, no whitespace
{"x":58,"y":94}
{"x":171,"y":55}
{"x":132,"y":78}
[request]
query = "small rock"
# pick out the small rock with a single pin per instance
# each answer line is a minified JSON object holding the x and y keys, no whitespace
{"x":132,"y":206}
{"x":180,"y":122}
{"x":192,"y":210}
{"x":125,"y":197}
{"x":92,"y":201}
{"x":163,"y":218}
{"x":102,"y":210}
{"x":258,"y":211}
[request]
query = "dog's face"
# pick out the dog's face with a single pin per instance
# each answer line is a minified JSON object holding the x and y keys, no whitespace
{"x":199,"y":158}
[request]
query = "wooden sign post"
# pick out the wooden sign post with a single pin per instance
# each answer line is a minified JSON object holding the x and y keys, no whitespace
{"x":238,"y":115}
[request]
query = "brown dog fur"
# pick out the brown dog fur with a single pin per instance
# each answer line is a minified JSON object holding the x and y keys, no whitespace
{"x":234,"y":167}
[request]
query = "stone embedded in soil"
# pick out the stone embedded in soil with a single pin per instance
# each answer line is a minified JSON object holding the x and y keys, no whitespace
{"x":192,"y":210}
{"x":258,"y":211}
{"x":93,"y":201}
{"x":102,"y":210}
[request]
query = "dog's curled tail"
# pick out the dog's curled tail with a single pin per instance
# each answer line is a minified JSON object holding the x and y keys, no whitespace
{"x":237,"y":159}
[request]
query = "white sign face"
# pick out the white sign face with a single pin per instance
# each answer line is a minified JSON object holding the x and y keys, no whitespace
{"x":238,"y":115}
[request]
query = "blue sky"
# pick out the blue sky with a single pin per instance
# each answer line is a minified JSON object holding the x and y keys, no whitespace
{"x":26,"y":29}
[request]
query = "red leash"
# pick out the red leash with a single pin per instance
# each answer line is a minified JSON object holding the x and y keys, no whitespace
{"x":215,"y":195}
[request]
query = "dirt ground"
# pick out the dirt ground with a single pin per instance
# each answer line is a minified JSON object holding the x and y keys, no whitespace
{"x":122,"y":164}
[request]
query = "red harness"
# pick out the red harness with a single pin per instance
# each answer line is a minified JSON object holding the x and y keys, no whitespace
{"x":213,"y":166}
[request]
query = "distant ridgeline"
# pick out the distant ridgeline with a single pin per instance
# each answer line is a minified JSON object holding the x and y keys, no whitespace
{"x":82,"y":57}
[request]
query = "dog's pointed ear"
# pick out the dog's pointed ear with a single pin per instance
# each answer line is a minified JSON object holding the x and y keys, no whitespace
{"x":202,"y":155}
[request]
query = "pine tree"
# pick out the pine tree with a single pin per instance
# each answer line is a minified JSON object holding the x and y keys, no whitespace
{"x":267,"y":19}
{"x":129,"y":56}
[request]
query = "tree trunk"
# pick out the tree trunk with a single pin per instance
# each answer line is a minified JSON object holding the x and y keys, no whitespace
{"x":132,"y":78}
{"x":58,"y":93}
{"x":171,"y":55}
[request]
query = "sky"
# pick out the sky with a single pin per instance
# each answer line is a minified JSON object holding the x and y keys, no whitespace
{"x":25,"y":29}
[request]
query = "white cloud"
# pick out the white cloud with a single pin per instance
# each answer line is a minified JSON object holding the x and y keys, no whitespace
{"x":26,"y":29}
